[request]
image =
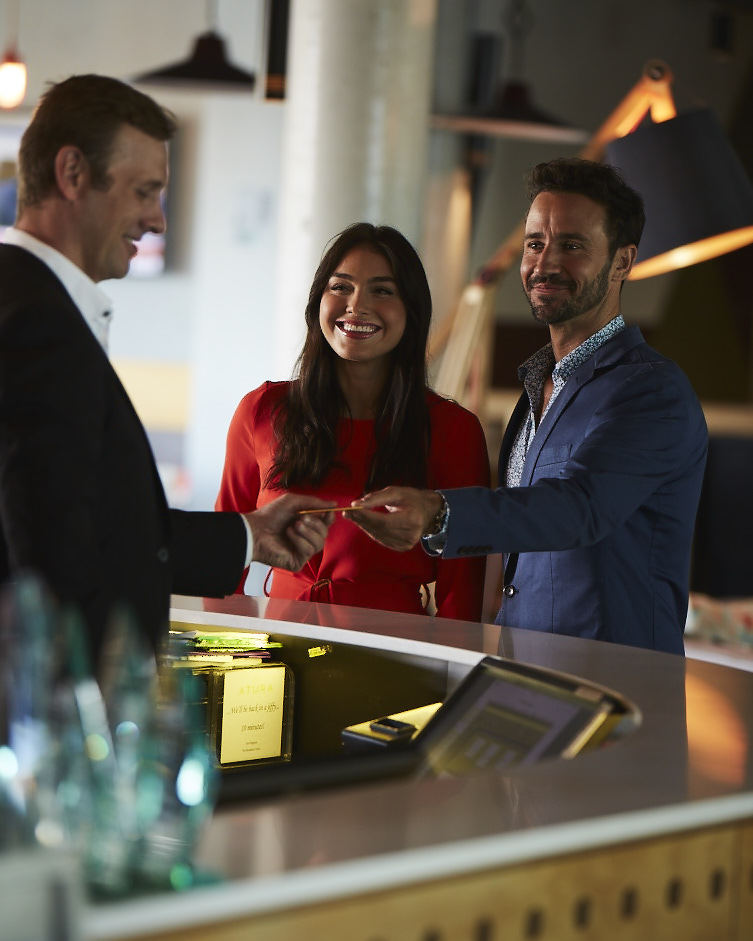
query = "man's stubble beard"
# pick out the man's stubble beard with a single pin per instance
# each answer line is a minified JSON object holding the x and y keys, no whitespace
{"x":592,"y":294}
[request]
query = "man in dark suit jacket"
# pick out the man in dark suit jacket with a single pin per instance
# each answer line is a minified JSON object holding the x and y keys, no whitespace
{"x":81,"y":502}
{"x":603,"y":458}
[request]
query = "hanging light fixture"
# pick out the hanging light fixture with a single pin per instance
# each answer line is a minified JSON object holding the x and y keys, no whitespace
{"x":207,"y":66}
{"x":697,"y":195}
{"x":12,"y":67}
{"x":512,"y":111}
{"x":698,"y":198}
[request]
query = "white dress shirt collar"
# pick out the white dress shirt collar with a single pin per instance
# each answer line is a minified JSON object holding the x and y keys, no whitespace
{"x":94,"y":305}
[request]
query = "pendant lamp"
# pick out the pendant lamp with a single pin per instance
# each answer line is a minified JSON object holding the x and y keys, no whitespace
{"x":12,"y":67}
{"x":510,"y":111}
{"x":207,"y":66}
{"x":697,"y":196}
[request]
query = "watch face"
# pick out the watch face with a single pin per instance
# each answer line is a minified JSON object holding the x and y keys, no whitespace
{"x":439,"y":521}
{"x":444,"y":514}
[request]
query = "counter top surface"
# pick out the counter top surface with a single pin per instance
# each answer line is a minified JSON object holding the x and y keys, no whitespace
{"x":688,"y":764}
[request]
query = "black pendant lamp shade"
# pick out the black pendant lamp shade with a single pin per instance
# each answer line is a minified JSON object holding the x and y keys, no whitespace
{"x":698,"y":198}
{"x":207,"y":65}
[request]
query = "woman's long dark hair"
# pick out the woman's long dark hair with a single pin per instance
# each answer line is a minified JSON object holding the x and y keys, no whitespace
{"x":306,"y":422}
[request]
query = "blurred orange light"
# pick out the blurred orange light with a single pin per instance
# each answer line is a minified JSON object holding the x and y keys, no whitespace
{"x":717,"y":739}
{"x":12,"y":81}
{"x":692,"y":253}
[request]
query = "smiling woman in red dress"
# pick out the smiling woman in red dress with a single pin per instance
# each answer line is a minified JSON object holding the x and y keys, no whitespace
{"x":359,"y":415}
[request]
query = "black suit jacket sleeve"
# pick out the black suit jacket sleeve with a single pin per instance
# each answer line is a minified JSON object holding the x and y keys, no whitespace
{"x":207,"y":552}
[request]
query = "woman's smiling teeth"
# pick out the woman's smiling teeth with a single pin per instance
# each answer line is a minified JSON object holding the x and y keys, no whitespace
{"x":357,"y":329}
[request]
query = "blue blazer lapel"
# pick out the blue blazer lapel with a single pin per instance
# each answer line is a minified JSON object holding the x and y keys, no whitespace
{"x":605,"y":357}
{"x":573,"y":384}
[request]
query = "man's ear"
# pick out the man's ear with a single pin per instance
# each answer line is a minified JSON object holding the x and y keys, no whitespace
{"x":624,"y":258}
{"x":71,"y":171}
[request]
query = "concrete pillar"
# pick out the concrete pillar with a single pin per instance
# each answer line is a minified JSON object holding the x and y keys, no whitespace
{"x":355,"y":135}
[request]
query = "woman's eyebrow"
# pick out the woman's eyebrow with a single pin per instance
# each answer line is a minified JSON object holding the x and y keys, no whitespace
{"x":349,"y":277}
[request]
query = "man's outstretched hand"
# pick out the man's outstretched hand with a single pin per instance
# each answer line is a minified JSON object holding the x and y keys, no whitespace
{"x":284,"y":539}
{"x":409,"y":514}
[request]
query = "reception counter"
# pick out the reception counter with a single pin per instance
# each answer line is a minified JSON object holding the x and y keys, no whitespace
{"x":649,"y":836}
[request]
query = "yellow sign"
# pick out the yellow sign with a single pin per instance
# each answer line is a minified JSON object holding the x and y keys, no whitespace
{"x":252,"y":714}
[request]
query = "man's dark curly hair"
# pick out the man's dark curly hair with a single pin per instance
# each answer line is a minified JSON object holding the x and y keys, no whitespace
{"x":625,"y":216}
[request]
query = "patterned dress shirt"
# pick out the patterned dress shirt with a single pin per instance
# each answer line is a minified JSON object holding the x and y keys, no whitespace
{"x":533,"y":374}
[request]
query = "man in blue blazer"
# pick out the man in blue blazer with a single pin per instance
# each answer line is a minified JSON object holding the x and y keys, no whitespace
{"x":602,"y":461}
{"x":81,"y":502}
